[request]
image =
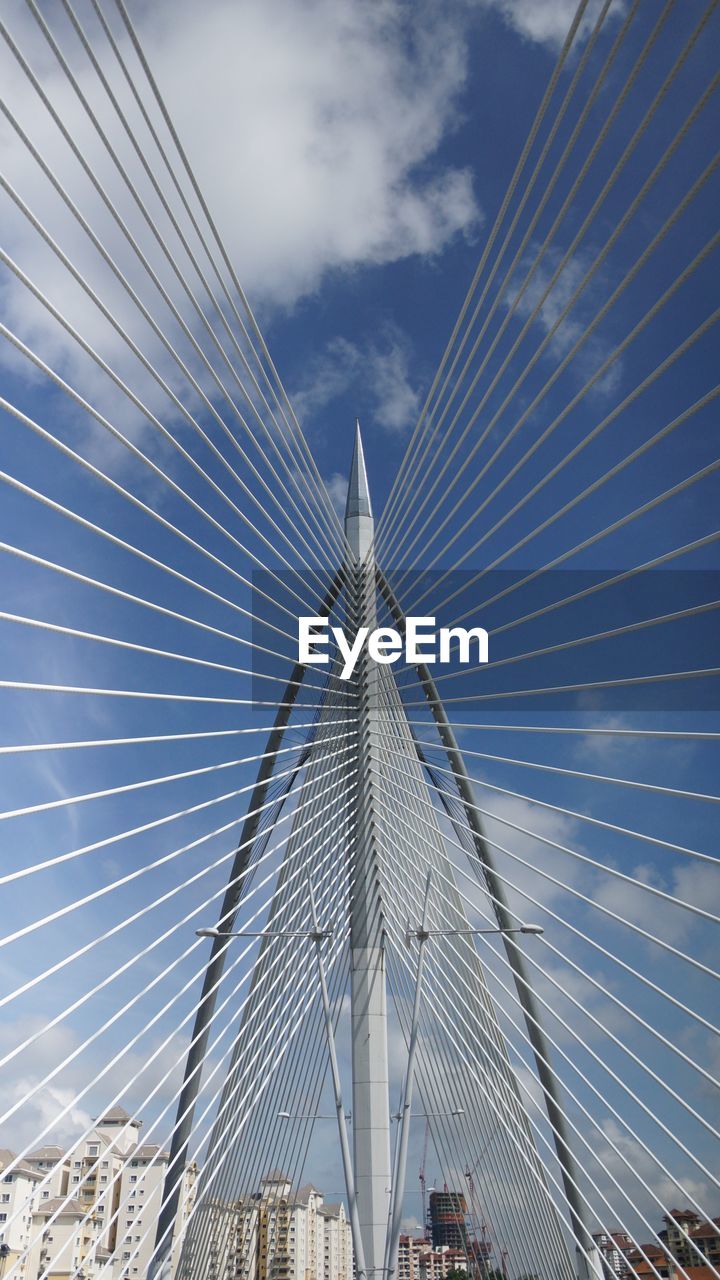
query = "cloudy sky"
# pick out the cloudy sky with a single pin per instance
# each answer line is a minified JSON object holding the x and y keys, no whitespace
{"x":354,"y":157}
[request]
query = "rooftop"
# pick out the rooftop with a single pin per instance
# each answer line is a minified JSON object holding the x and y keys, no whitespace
{"x":8,"y":1157}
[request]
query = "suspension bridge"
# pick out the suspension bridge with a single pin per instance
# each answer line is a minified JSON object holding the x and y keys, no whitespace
{"x":458,"y":915}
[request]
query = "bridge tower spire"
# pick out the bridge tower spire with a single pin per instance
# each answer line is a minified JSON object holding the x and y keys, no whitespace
{"x":371,"y":1108}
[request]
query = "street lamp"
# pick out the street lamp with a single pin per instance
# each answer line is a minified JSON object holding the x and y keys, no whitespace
{"x":423,"y":934}
{"x":286,"y":1115}
{"x":317,"y":935}
{"x":429,"y":1115}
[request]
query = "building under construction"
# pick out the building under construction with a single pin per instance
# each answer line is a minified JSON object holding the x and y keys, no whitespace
{"x":448,"y":1212}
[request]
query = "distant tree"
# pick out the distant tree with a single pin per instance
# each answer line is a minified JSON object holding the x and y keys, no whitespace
{"x":456,"y":1273}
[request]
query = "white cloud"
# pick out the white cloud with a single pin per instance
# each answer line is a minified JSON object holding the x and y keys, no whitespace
{"x":547,"y":22}
{"x":308,"y":125}
{"x":379,"y":369}
{"x":550,"y":297}
{"x":693,"y":884}
{"x":336,"y":486}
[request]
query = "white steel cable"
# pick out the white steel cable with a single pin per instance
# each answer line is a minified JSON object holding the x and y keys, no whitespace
{"x":614,"y":872}
{"x":149,"y":511}
{"x":60,"y":509}
{"x":573,"y":813}
{"x":694,"y":674}
{"x":652,"y":503}
{"x":107,"y":257}
{"x":59,"y":1210}
{"x":19,"y":748}
{"x":615,"y":916}
{"x":548,"y":188}
{"x":588,"y":1048}
{"x":300,"y":1063}
{"x":56,"y":628}
{"x":539,"y":1173}
{"x":592,"y":902}
{"x":230,"y":1125}
{"x":319,"y":492}
{"x":435,"y":1066}
{"x":137,"y":402}
{"x":278,"y":386}
{"x":622,"y":575}
{"x":578,"y":641}
{"x":163,"y":246}
{"x":660,"y":235}
{"x":88,"y":466}
{"x":45,"y":805}
{"x":610,"y":731}
{"x":637,"y":1017}
{"x":290,"y":1041}
{"x":40,"y":687}
{"x":61,"y":859}
{"x":512,"y":186}
{"x":129,"y":1004}
{"x":614,"y":470}
{"x":567,"y":203}
{"x":407,"y":848}
{"x":588,"y":1114}
{"x":43,"y":563}
{"x":667,"y":295}
{"x":186,"y":986}
{"x":570,"y":1061}
{"x":157,"y":471}
{"x":655,"y":788}
{"x":117,"y":928}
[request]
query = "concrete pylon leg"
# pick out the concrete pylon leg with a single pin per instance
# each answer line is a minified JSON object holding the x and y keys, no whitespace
{"x":371,"y":1106}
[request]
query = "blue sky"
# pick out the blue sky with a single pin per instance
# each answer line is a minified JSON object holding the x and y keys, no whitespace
{"x":354,"y":157}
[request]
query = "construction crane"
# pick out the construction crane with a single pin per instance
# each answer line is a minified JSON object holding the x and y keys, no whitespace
{"x":482,"y":1244}
{"x":423,"y":1186}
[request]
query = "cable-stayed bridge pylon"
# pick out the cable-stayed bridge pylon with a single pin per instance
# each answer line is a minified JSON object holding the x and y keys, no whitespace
{"x":263,"y":924}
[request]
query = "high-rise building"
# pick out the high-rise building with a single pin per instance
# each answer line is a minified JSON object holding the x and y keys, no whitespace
{"x":448,"y":1210}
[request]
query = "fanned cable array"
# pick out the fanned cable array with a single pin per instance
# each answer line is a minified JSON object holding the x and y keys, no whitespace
{"x":511,"y":865}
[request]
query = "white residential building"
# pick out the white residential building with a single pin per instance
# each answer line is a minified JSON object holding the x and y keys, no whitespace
{"x":64,"y":1239}
{"x":53,"y":1165}
{"x":141,"y":1187}
{"x":279,"y":1234}
{"x":94,"y":1207}
{"x":18,"y":1196}
{"x":337,"y":1243}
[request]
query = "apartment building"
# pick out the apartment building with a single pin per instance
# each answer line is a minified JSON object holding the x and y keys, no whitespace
{"x":614,"y":1247}
{"x":18,"y":1189}
{"x":418,"y":1259}
{"x":278,"y":1234}
{"x":141,"y":1187}
{"x":94,"y":1207}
